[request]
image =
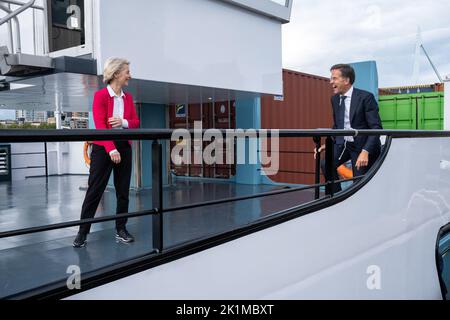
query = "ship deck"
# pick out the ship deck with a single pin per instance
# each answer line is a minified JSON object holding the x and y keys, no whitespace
{"x":30,"y":261}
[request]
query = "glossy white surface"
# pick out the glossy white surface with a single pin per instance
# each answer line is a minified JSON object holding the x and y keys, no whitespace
{"x":392,"y":223}
{"x":194,"y":42}
{"x":277,"y":9}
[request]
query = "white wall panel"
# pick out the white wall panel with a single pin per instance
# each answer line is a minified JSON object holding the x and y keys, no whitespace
{"x":196,"y":42}
{"x":74,"y":159}
{"x":71,"y":159}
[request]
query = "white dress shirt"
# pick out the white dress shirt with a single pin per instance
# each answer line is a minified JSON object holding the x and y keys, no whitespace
{"x":347,"y":124}
{"x":119,"y":109}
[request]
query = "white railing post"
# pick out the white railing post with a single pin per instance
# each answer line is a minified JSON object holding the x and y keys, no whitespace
{"x":15,"y":37}
{"x":46,"y":26}
{"x":16,"y":21}
{"x":10,"y":32}
{"x":16,"y":12}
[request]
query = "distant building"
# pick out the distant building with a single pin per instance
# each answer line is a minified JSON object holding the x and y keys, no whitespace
{"x":32,"y":116}
{"x":79,"y":123}
{"x":436,"y":87}
{"x":75,"y":120}
{"x":80,"y":115}
{"x":23,"y":115}
{"x":7,"y":122}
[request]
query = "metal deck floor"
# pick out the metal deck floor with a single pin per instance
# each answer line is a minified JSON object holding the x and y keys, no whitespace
{"x":30,"y":261}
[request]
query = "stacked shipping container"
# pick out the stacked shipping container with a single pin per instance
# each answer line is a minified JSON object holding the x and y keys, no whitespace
{"x":305,"y":105}
{"x":423,"y":111}
{"x":219,"y":115}
{"x":422,"y":88}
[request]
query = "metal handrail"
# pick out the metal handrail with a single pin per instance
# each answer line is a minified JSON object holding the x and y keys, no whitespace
{"x":14,"y":14}
{"x":16,"y":20}
{"x":17,"y":12}
{"x":152,"y":134}
{"x":18,"y":3}
{"x":235,"y":199}
{"x":19,"y":135}
{"x":76,"y":223}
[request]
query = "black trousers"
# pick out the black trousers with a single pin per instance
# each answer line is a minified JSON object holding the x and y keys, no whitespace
{"x":99,"y":173}
{"x":342,"y":154}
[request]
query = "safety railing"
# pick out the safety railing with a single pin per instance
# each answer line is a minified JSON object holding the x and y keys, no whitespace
{"x":157,"y":211}
{"x":157,"y":164}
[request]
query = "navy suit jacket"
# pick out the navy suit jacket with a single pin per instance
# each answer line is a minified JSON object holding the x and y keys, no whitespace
{"x":364,"y":114}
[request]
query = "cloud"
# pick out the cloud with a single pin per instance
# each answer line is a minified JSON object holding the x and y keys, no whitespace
{"x":322,"y":33}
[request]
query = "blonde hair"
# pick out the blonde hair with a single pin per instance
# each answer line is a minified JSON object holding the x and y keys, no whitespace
{"x":113,"y":66}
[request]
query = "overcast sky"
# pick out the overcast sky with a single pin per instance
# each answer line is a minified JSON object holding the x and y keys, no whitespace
{"x":324,"y":32}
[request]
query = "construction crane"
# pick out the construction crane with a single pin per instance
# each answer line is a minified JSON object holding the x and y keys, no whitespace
{"x":419,"y":48}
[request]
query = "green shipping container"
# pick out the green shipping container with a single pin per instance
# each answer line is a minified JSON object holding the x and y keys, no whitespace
{"x":421,"y":111}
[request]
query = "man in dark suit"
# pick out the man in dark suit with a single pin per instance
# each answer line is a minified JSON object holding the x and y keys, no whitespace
{"x":353,"y":109}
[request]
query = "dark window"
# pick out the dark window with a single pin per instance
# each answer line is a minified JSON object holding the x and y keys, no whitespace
{"x":66,"y":24}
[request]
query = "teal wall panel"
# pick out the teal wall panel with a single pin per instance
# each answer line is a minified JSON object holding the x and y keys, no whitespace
{"x":248,"y":116}
{"x":152,"y":117}
{"x":366,"y":76}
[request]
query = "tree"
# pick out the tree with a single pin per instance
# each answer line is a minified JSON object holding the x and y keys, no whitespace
{"x":29,"y":126}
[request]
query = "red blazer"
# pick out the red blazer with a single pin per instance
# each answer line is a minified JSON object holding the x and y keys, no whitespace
{"x":102,"y":110}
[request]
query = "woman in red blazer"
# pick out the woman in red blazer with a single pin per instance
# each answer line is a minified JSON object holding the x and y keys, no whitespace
{"x":112,"y":109}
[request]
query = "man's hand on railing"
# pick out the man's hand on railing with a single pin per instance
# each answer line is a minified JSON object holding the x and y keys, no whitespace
{"x":363,"y":160}
{"x":322,"y":148}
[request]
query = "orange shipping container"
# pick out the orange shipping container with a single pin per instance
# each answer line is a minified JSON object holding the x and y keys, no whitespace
{"x":305,"y":105}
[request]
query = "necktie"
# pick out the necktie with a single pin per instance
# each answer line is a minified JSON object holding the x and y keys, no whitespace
{"x":340,"y":118}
